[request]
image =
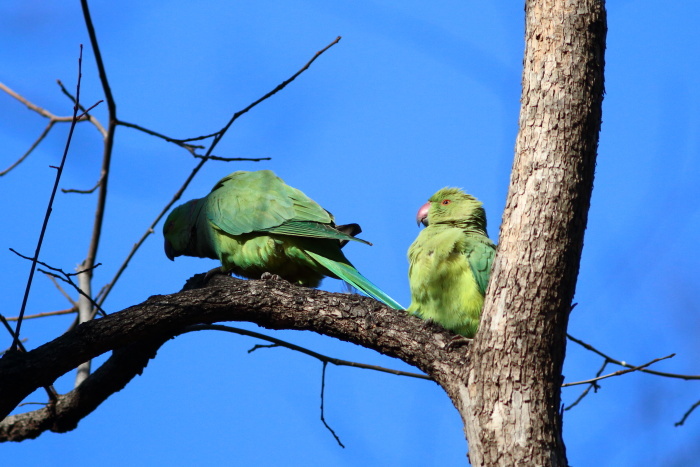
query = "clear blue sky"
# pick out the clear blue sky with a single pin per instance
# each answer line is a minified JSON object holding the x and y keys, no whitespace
{"x":415,"y":97}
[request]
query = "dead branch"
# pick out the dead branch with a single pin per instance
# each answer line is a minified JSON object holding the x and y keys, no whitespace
{"x":627,"y":365}
{"x":59,"y":171}
{"x":618,"y":373}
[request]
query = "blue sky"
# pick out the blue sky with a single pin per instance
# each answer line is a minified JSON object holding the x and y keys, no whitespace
{"x":415,"y":97}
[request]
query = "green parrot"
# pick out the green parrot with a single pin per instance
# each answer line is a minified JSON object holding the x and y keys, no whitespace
{"x":450,"y":261}
{"x":255,"y":223}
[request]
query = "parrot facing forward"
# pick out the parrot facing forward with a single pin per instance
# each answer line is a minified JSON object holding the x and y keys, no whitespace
{"x":255,"y":223}
{"x":450,"y":262}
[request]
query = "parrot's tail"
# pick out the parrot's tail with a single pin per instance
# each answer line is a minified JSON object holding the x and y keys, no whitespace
{"x":353,"y":277}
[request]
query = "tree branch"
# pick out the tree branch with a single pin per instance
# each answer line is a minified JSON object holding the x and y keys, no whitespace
{"x":280,"y":343}
{"x":59,"y":171}
{"x":618,"y":373}
{"x":627,"y":365}
{"x":270,"y":304}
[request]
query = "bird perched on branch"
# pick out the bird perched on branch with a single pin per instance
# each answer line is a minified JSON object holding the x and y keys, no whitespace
{"x":254,"y":223}
{"x":450,"y":261}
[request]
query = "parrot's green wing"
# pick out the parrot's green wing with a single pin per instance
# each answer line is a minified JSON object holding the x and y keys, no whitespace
{"x":480,"y":254}
{"x":246,"y":202}
{"x":353,"y":277}
{"x":311,"y":229}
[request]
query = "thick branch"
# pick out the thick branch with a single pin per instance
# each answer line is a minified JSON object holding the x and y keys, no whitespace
{"x":511,"y":406}
{"x":271,"y":304}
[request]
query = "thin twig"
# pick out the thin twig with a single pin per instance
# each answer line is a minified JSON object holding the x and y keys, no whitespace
{"x":235,"y":159}
{"x":311,"y":353}
{"x":83,"y":192}
{"x":67,"y":311}
{"x":262,"y":346}
{"x":53,"y":119}
{"x":104,"y":293}
{"x":31,"y":148}
{"x":323,"y":418}
{"x":190,"y":147}
{"x":618,"y":373}
{"x":50,"y":391}
{"x":627,"y":365}
{"x":108,"y":145}
{"x":59,"y":171}
{"x":40,"y":110}
{"x":62,"y":290}
{"x":593,"y":386}
{"x":687,"y":414}
{"x":66,"y":278}
{"x":197,"y":138}
{"x":91,"y":118}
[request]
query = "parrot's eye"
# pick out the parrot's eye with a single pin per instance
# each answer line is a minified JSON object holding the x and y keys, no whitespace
{"x":445,"y":202}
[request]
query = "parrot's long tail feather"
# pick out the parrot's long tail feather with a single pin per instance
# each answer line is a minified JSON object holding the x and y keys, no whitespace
{"x":353,"y":277}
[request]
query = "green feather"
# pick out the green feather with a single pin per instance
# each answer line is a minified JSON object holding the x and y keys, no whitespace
{"x":352,"y":276}
{"x":255,"y":223}
{"x":450,"y":262}
{"x":311,"y":229}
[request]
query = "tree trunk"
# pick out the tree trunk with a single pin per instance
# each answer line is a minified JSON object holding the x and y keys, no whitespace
{"x":509,"y":395}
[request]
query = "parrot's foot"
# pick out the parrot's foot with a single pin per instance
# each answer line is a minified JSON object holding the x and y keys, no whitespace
{"x":268,"y":276}
{"x":433,"y":326}
{"x":212,"y":273}
{"x":458,"y":341}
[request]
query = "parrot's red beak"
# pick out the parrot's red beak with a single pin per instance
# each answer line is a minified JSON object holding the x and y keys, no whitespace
{"x":422,"y":216}
{"x":169,"y":251}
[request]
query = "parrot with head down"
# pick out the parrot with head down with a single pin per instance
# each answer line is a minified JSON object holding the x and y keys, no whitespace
{"x":450,"y":262}
{"x":254,"y":223}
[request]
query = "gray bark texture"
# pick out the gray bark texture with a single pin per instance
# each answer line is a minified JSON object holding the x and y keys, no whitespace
{"x":510,"y":395}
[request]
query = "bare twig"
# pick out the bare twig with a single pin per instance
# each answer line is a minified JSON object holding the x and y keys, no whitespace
{"x":323,"y":418}
{"x":618,"y":373}
{"x":627,"y":365}
{"x":50,"y":391}
{"x":234,"y":159}
{"x":104,"y":293}
{"x":66,"y":278}
{"x":59,"y":171}
{"x":594,"y":385}
{"x":198,"y":138}
{"x":89,"y":261}
{"x":279,"y":342}
{"x":62,"y":290}
{"x":53,"y":119}
{"x":92,"y":119}
{"x":41,"y":111}
{"x":687,"y":414}
{"x":261,"y":346}
{"x":67,"y":311}
{"x":189,"y":147}
{"x":83,"y":192}
{"x":31,"y":148}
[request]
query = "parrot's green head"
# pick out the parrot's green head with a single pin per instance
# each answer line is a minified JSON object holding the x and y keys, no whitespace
{"x":178,"y":228}
{"x":453,"y":206}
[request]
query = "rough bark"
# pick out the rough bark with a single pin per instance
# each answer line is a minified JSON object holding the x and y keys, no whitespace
{"x":135,"y":335}
{"x":510,"y":396}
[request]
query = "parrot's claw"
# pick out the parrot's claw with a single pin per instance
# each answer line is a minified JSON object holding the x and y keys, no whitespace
{"x":268,"y":276}
{"x":458,"y":341}
{"x":213,"y":272}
